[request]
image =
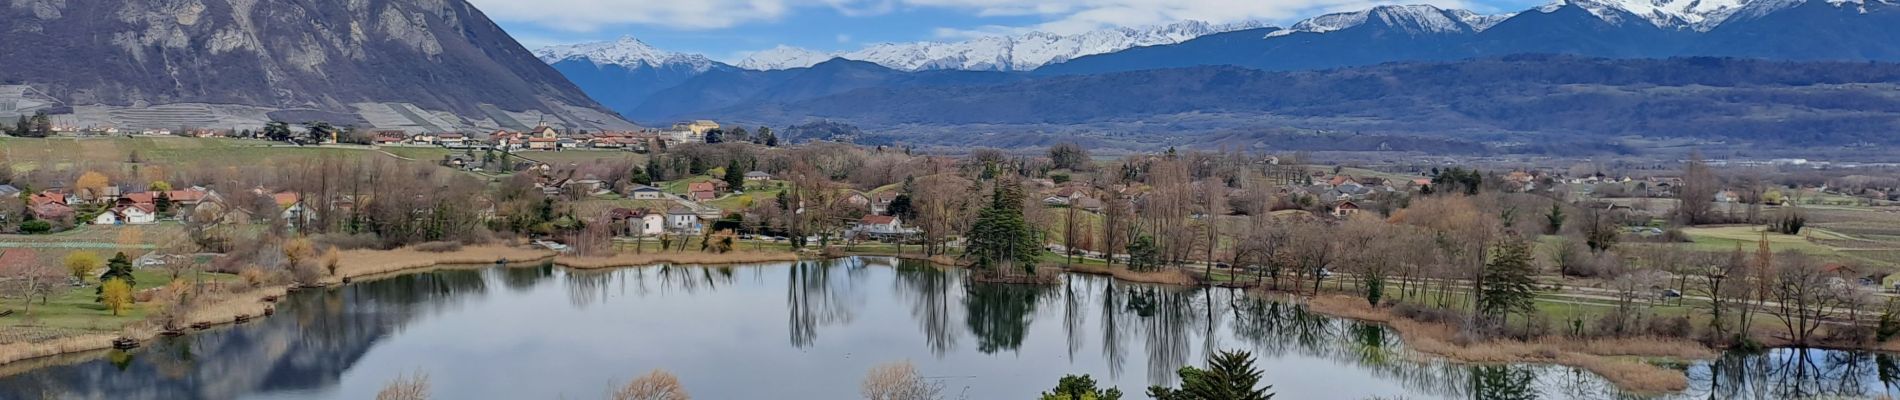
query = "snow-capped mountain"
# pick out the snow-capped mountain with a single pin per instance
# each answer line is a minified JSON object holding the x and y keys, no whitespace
{"x":783,"y":57}
{"x":1699,"y":15}
{"x":998,"y":53}
{"x":627,"y":52}
{"x":1414,"y":19}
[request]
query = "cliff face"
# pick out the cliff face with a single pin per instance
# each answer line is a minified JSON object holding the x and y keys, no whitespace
{"x":415,"y":64}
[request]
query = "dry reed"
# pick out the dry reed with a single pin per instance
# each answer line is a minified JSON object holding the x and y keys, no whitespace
{"x":1594,"y":355}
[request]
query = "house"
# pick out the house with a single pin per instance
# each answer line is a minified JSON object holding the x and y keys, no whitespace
{"x":293,"y":208}
{"x":388,"y":137}
{"x":541,"y":143}
{"x":881,"y":227}
{"x":680,"y":219}
{"x":188,"y":197}
{"x":137,"y":214}
{"x":543,"y":131}
{"x":137,"y":198}
{"x":1345,"y":208}
{"x":639,"y":222}
{"x":644,"y":192}
{"x":51,"y":211}
{"x":703,"y":191}
{"x":452,"y":140}
{"x":757,"y":176}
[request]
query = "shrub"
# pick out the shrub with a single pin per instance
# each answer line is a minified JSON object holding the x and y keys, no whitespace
{"x":439,"y":247}
{"x":36,"y":227}
{"x":898,"y":381}
{"x":253,"y":276}
{"x":1672,"y":327}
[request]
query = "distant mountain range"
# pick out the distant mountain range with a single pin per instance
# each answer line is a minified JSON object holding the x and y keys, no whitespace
{"x":419,"y":65}
{"x":654,"y":85}
{"x":997,"y":53}
{"x":624,"y":73}
{"x":1766,"y":29}
{"x":1535,"y":98}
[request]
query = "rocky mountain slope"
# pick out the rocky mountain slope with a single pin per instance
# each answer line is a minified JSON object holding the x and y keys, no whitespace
{"x":420,"y":65}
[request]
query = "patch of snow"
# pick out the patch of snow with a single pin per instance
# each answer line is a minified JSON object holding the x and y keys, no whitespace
{"x":1032,"y":50}
{"x":783,"y":57}
{"x":1700,"y":15}
{"x":1416,"y":19}
{"x":626,"y":52}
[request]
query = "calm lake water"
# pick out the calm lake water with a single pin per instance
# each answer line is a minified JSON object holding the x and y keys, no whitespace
{"x":811,"y":331}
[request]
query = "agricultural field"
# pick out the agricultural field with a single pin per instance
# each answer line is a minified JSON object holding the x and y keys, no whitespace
{"x":1867,"y":236}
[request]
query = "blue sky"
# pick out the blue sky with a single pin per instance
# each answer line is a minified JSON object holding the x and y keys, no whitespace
{"x":728,"y":29}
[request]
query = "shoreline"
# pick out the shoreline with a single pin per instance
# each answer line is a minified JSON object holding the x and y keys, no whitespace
{"x":1438,"y":340}
{"x":1422,"y":338}
{"x":356,"y":264}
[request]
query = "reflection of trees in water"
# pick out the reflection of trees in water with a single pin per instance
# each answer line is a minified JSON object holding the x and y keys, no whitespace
{"x":1795,"y":373}
{"x":315,"y":337}
{"x":998,"y":315}
{"x":1170,"y":319}
{"x":586,"y":287}
{"x":522,"y":279}
{"x":1072,"y":316}
{"x":1502,"y":382}
{"x":928,"y":290}
{"x":815,"y":300}
{"x":1112,"y":350}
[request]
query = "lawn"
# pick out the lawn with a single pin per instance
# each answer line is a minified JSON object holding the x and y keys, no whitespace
{"x":76,"y":311}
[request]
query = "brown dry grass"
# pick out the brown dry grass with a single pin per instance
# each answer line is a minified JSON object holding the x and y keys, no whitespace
{"x":1166,"y":276}
{"x":636,"y":260}
{"x":12,"y":352}
{"x":1596,"y":355}
{"x":360,"y":263}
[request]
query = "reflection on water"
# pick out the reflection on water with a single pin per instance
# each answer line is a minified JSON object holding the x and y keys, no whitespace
{"x":553,"y":333}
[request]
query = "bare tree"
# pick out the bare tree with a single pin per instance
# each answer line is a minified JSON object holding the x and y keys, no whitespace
{"x":656,"y":385}
{"x":1697,"y":193}
{"x":408,"y":387}
{"x":898,"y":381}
{"x":1805,"y":296}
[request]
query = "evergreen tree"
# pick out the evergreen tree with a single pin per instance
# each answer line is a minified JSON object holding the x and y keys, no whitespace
{"x":1083,"y":387}
{"x":23,"y":128}
{"x":696,"y":166}
{"x":1143,"y":255}
{"x":735,"y":176}
{"x":715,"y":136}
{"x":42,"y":125}
{"x":120,"y":268}
{"x":639,"y":175}
{"x":901,"y":207}
{"x":1000,"y":237}
{"x":767,"y":138}
{"x":277,"y":131}
{"x":1230,"y":375}
{"x":1554,"y":221}
{"x":1508,"y":283}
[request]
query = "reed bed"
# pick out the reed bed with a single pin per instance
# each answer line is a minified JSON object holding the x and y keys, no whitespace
{"x":637,"y":260}
{"x":1167,"y":276}
{"x":1604,"y":357}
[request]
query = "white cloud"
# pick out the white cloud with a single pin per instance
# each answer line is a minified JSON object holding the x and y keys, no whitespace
{"x":843,"y":38}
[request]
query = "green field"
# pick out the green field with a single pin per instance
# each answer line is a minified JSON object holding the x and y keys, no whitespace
{"x":75,"y":311}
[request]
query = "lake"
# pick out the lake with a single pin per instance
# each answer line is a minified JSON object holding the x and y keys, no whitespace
{"x":812,"y":330}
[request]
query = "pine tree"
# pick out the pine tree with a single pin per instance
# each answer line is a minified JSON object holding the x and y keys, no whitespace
{"x":1508,"y":283}
{"x":1000,"y":237}
{"x":119,"y":268}
{"x":1230,"y":375}
{"x":735,"y":176}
